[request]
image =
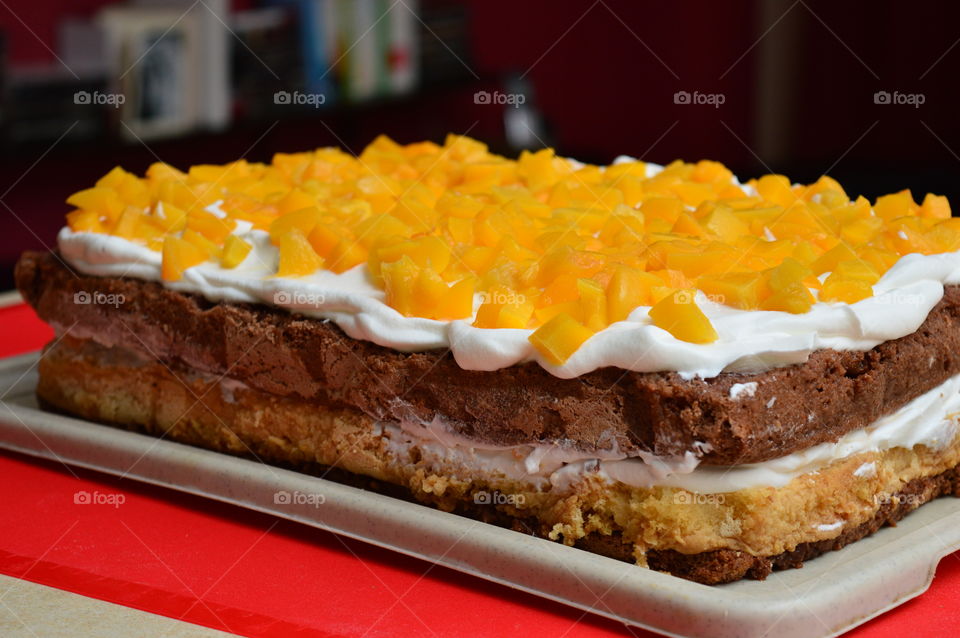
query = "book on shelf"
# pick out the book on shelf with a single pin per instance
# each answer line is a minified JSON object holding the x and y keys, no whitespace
{"x":169,"y":62}
{"x":357,"y":50}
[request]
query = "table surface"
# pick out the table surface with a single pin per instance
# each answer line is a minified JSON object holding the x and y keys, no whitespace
{"x":228,"y":568}
{"x":30,"y":610}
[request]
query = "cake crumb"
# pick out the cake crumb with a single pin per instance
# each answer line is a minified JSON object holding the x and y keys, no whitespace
{"x":738,"y":389}
{"x":867,"y":470}
{"x":771,"y":402}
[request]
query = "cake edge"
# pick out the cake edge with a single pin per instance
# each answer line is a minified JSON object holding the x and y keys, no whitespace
{"x":652,"y":412}
{"x":707,"y":567}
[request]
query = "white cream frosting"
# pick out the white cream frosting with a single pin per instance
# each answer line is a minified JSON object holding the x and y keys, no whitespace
{"x":929,"y":420}
{"x":748,"y":340}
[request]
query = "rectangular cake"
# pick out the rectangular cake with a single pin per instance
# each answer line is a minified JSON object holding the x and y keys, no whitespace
{"x":660,"y":364}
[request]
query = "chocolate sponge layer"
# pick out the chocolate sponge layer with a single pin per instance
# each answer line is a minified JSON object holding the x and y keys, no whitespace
{"x":272,"y":350}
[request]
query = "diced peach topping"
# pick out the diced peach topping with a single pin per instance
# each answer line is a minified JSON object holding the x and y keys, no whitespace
{"x":235,"y":250}
{"x":178,"y":255}
{"x":84,"y":221}
{"x":101,"y":200}
{"x":559,"y":338}
{"x":297,"y":257}
{"x":169,"y":217}
{"x":210,"y":249}
{"x":418,"y":291}
{"x":679,"y":315}
{"x":628,"y":289}
{"x":794,"y":298}
{"x":544,"y":241}
{"x":210,"y":226}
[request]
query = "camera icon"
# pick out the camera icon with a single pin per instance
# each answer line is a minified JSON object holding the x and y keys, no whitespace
{"x":482,"y":498}
{"x":682,"y":97}
{"x":482,"y":97}
{"x":282,"y":497}
{"x":282,"y":97}
{"x":82,"y":97}
{"x":282,"y":297}
{"x":83,"y":297}
{"x":882,"y":97}
{"x":683,"y":297}
{"x":81,"y":498}
{"x":682,"y":498}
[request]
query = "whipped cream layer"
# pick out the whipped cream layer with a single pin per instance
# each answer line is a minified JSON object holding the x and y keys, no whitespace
{"x":929,"y":420}
{"x":749,"y":341}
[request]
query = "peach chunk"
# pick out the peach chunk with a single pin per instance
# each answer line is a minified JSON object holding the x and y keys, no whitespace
{"x":235,"y":250}
{"x":297,"y":257}
{"x":178,"y":255}
{"x":679,"y":315}
{"x":629,"y":288}
{"x":559,"y":338}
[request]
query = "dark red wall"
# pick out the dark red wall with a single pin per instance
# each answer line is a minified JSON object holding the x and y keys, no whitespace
{"x":604,"y":75}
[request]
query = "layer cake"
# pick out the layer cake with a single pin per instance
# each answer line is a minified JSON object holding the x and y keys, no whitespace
{"x":661,"y":364}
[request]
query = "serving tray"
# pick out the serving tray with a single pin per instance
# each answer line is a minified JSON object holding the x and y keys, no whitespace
{"x":827,"y":596}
